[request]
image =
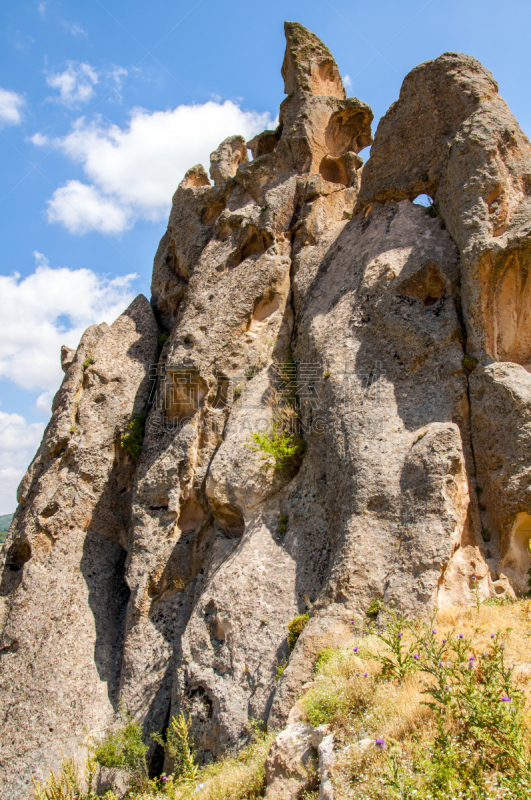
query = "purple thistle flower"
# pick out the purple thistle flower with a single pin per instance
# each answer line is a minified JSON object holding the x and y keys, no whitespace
{"x":447,"y":688}
{"x":365,"y":674}
{"x":473,"y":578}
{"x":492,"y":635}
{"x":434,"y":631}
{"x":399,"y":635}
{"x":461,"y":636}
{"x":164,"y":778}
{"x":505,"y":699}
{"x":380,"y":744}
{"x":444,"y":641}
{"x":416,"y":655}
{"x":355,"y":649}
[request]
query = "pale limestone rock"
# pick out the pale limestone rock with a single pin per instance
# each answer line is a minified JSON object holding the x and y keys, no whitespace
{"x":288,"y":762}
{"x":450,"y":135}
{"x":501,"y":428}
{"x":168,"y":584}
{"x":227,"y":158}
{"x":63,"y":582}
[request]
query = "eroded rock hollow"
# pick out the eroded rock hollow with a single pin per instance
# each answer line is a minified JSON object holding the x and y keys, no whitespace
{"x":304,"y":294}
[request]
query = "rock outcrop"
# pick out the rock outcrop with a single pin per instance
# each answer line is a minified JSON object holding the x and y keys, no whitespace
{"x":303,"y":294}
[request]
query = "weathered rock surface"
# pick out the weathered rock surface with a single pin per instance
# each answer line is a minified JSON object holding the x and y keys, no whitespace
{"x":301,"y":281}
{"x":63,"y":595}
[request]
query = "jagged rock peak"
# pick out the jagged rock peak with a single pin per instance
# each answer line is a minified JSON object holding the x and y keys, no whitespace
{"x":309,"y":65}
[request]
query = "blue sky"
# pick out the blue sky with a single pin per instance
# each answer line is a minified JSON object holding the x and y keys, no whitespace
{"x":104,"y":105}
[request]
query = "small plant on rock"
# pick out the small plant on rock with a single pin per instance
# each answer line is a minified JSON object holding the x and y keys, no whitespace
{"x":88,"y":362}
{"x":124,"y":749}
{"x":400,"y":658}
{"x":295,"y":628}
{"x":282,"y":524}
{"x":469,"y":362}
{"x":279,"y":449}
{"x":178,"y":747}
{"x":133,"y":438}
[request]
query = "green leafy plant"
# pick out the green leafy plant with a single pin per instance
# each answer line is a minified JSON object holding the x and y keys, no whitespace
{"x":295,"y":628}
{"x":124,"y":749}
{"x":375,"y":606}
{"x":133,"y":438}
{"x":279,"y":449}
{"x":162,"y":338}
{"x":399,"y":658}
{"x":68,"y":784}
{"x":282,"y":524}
{"x":326,"y":374}
{"x":88,"y":362}
{"x":178,"y":747}
{"x":479,"y":714}
{"x":469,"y":363}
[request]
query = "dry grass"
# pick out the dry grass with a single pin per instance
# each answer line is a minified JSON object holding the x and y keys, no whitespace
{"x":348,"y":695}
{"x":239,"y":778}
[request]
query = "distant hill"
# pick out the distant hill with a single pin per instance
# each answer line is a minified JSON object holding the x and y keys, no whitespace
{"x":5,"y":522}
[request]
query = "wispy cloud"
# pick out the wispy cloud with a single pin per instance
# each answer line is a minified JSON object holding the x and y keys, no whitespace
{"x":75,"y":84}
{"x":74,"y":28}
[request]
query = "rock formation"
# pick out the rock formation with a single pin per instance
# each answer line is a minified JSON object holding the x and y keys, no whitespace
{"x":300,"y":288}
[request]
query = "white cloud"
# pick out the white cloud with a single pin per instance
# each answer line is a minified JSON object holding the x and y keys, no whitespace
{"x":81,"y":208}
{"x":40,"y":312}
{"x":18,"y":442}
{"x":41,"y":8}
{"x":347,"y":82}
{"x":10,"y":106}
{"x":48,"y":308}
{"x":75,"y":84}
{"x":134,"y":171}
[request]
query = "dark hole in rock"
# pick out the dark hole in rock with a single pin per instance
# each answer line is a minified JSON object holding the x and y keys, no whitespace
{"x":51,"y":509}
{"x":18,"y":554}
{"x":255,"y":243}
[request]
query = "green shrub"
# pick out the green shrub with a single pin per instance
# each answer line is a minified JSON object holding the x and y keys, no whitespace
{"x":133,"y":438}
{"x":68,"y":784}
{"x":322,"y":705}
{"x":295,"y":628}
{"x":123,"y":749}
{"x":279,"y":450}
{"x":88,"y":362}
{"x":375,"y":606}
{"x":178,"y":747}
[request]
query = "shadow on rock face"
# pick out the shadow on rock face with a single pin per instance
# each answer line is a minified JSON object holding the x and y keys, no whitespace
{"x":103,"y":568}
